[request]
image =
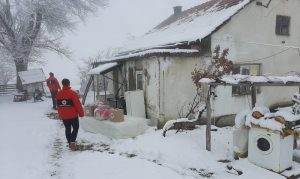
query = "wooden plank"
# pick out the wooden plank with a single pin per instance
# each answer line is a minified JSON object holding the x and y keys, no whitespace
{"x":253,"y":96}
{"x":87,"y":88}
{"x":208,"y":122}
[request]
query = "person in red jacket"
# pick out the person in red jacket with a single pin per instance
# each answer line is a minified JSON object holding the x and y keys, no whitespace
{"x":69,"y":108}
{"x":53,"y":86}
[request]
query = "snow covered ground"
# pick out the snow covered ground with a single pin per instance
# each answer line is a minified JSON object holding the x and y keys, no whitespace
{"x":34,"y":147}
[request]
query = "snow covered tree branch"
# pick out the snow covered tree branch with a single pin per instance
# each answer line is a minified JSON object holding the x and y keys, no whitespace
{"x":25,"y":26}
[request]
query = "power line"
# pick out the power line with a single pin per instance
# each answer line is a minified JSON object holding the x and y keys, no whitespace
{"x":264,"y":58}
{"x":263,"y":44}
{"x":258,"y":43}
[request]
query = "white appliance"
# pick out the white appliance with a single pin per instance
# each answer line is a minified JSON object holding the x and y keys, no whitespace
{"x":135,"y":105}
{"x":269,"y":149}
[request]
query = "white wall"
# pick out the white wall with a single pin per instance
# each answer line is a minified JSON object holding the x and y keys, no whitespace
{"x":168,"y":84}
{"x":250,"y":36}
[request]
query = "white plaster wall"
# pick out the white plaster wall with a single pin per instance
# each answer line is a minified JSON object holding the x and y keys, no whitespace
{"x":151,"y":87}
{"x":250,"y":36}
{"x":167,"y":84}
{"x":178,"y":88}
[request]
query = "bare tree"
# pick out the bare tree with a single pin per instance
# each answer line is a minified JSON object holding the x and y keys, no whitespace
{"x":89,"y":64}
{"x":7,"y":72}
{"x":29,"y":26}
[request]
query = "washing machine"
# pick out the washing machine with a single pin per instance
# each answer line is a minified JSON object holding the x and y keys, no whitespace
{"x":269,"y":149}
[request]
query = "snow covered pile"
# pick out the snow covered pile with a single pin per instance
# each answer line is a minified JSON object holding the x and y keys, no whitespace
{"x":171,"y":123}
{"x":262,"y":117}
{"x":206,"y":80}
{"x":240,"y":119}
{"x":240,"y":135}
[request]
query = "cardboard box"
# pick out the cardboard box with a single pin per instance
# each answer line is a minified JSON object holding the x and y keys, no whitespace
{"x":89,"y":110}
{"x":117,"y":115}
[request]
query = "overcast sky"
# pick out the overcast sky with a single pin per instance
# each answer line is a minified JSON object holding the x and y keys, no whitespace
{"x":110,"y":27}
{"x":120,"y":21}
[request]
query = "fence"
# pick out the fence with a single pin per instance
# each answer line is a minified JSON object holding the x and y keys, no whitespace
{"x":8,"y":89}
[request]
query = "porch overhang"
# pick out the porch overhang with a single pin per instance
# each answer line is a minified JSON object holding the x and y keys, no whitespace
{"x":104,"y":68}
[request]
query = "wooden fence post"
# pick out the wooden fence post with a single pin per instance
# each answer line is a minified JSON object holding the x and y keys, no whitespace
{"x":253,"y":96}
{"x":208,"y":122}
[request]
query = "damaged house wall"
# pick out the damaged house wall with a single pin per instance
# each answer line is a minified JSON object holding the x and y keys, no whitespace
{"x":167,"y":83}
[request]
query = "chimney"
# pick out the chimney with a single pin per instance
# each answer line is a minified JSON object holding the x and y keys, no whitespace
{"x":177,"y":10}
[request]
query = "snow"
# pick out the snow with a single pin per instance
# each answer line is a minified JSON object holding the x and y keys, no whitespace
{"x":32,"y":76}
{"x":101,"y":68}
{"x":262,"y":109}
{"x":35,"y":147}
{"x":240,"y":119}
{"x":263,"y":121}
{"x":268,"y":121}
{"x":288,"y":116}
{"x":147,"y":52}
{"x":237,"y":78}
{"x":130,"y":127}
{"x":171,"y":123}
{"x":206,"y":80}
{"x":195,"y":26}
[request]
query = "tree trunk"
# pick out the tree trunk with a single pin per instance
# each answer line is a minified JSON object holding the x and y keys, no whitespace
{"x":20,"y":67}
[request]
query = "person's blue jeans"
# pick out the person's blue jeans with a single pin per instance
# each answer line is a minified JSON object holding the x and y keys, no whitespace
{"x":71,"y":126}
{"x":53,"y":95}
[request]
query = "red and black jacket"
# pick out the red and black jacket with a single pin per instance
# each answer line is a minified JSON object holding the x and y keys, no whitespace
{"x":53,"y":84}
{"x":68,"y":104}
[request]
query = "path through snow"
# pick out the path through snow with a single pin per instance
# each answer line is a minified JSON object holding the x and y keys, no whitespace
{"x":34,"y":147}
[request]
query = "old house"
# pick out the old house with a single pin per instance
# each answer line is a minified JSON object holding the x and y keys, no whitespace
{"x":263,"y":37}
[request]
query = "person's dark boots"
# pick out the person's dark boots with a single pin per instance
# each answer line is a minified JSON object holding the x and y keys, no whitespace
{"x":72,"y":145}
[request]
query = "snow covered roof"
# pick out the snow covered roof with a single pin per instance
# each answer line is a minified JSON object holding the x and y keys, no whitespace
{"x":101,"y":68}
{"x":190,"y":25}
{"x":153,"y":51}
{"x":32,"y":76}
{"x":257,"y":80}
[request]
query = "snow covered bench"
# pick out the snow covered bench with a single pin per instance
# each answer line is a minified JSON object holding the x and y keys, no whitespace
{"x":130,"y":127}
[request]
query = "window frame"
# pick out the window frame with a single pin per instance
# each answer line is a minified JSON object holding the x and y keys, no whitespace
{"x":245,"y":90}
{"x":137,"y":73}
{"x":282,"y":26}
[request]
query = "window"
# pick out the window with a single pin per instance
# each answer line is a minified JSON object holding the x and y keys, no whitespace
{"x":282,"y":25}
{"x":244,"y":69}
{"x":139,"y":80}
